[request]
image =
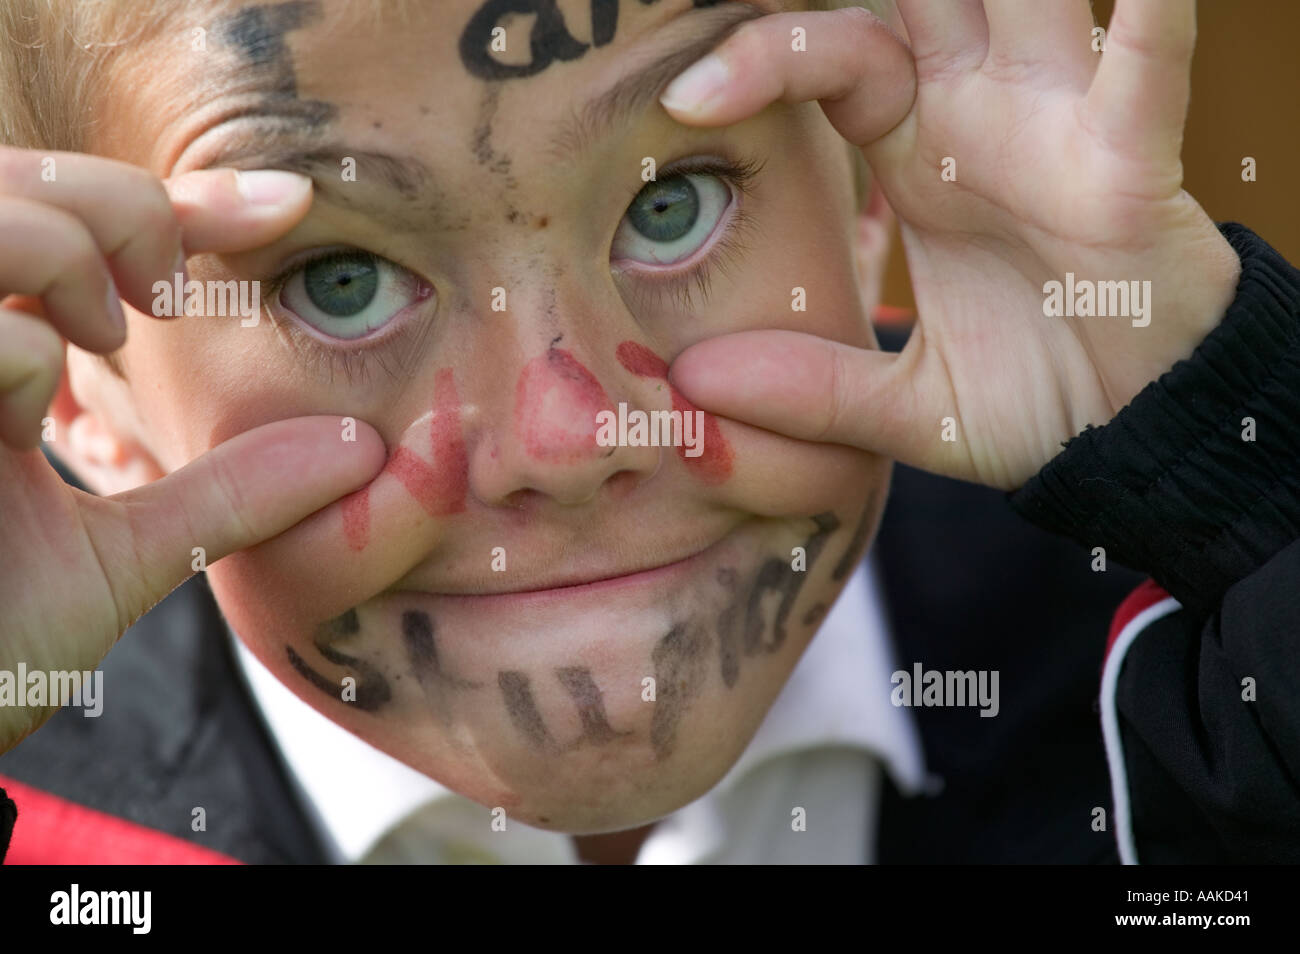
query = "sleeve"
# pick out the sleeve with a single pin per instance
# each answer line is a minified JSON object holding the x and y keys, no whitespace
{"x":1197,"y":483}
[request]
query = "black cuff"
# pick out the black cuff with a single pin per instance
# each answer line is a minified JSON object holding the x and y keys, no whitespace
{"x":1169,"y":486}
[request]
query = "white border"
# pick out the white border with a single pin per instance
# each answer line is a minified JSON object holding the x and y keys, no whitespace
{"x":1110,"y":722}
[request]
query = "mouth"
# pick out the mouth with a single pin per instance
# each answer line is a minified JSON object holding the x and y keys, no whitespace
{"x":577,"y":585}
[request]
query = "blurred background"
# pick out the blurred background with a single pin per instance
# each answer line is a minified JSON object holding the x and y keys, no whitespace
{"x":1245,"y":84}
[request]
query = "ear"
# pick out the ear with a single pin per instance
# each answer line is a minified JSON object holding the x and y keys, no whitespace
{"x":95,"y":430}
{"x":875,"y":225}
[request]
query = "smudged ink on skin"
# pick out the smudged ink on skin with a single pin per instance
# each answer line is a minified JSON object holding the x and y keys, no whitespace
{"x":586,"y":695}
{"x":372,"y":689}
{"x":556,"y":403}
{"x":678,"y":660}
{"x":728,"y":629}
{"x":516,"y":690}
{"x":257,"y":32}
{"x":854,"y":552}
{"x":814,"y":614}
{"x":775,"y":578}
{"x":481,"y":142}
{"x":778,"y":577}
{"x":422,"y":651}
{"x":713,"y":466}
{"x":440,"y":487}
{"x":549,"y":40}
{"x":356,"y":518}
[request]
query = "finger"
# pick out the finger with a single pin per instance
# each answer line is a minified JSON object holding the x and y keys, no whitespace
{"x":59,"y":262}
{"x":1140,"y":93}
{"x":1056,"y":34}
{"x":855,"y":65}
{"x":249,"y":489}
{"x":221,"y":210}
{"x":801,"y":386}
{"x":31,"y":360}
{"x":124,"y":208}
{"x":945,"y":34}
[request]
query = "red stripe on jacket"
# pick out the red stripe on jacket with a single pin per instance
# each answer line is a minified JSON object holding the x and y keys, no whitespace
{"x":1148,"y":593}
{"x":54,"y":831}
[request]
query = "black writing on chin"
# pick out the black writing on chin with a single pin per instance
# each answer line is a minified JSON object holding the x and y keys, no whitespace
{"x":371,"y":691}
{"x":549,"y":40}
{"x":743,"y":623}
{"x":577,"y":682}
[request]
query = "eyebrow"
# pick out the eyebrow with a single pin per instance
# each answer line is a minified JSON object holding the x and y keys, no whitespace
{"x":406,"y":175}
{"x":281,"y":122}
{"x":274,"y":139}
{"x":628,"y":98}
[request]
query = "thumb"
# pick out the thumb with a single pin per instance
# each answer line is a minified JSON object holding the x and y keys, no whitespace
{"x":805,"y":387}
{"x":249,"y":489}
{"x":222,"y":211}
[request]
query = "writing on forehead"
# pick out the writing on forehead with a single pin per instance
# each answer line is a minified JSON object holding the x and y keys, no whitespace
{"x":548,"y":41}
{"x":257,"y":34}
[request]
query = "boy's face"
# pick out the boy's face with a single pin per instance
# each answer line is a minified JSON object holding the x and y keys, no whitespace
{"x":458,"y":590}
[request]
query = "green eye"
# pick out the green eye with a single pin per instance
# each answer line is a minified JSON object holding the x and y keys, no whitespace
{"x":349,"y":293}
{"x":665,"y":211}
{"x":670,"y":220}
{"x":342,"y":285}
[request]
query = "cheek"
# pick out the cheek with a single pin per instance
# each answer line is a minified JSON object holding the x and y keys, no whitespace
{"x":439,"y":488}
{"x":714,"y":463}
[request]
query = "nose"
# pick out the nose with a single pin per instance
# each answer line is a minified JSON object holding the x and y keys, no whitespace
{"x":549,"y":447}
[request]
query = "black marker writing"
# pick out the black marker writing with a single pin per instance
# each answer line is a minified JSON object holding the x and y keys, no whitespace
{"x":372,"y":690}
{"x":517,"y":692}
{"x":257,"y":32}
{"x":548,"y":41}
{"x":678,"y":659}
{"x":422,"y":651}
{"x":577,"y":682}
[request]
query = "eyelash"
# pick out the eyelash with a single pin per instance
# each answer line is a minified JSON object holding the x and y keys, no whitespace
{"x":356,"y":362}
{"x":682,"y":287}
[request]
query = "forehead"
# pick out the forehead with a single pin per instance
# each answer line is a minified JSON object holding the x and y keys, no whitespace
{"x":492,"y":69}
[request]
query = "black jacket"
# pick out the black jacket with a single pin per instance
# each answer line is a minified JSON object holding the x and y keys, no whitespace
{"x":1168,"y":487}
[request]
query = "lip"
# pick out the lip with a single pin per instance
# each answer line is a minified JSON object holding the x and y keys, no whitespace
{"x":664,"y":575}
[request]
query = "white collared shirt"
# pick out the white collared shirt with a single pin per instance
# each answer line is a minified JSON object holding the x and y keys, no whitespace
{"x":821,"y":748}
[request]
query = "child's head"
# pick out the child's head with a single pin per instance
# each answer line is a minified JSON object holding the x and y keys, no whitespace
{"x":499,"y":272}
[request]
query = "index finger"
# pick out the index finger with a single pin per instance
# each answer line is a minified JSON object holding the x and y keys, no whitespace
{"x":849,"y":60}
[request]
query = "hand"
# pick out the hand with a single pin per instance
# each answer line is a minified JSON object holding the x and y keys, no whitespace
{"x":1065,"y":161}
{"x":75,"y":569}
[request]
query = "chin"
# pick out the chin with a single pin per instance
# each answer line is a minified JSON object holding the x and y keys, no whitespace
{"x":583,"y":707}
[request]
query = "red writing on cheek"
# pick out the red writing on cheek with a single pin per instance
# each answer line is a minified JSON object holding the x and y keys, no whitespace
{"x":440,"y":487}
{"x":356,"y":518}
{"x":713,"y":466}
{"x":556,"y":403}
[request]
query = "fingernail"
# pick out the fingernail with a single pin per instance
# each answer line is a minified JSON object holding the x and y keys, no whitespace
{"x":694,"y":88}
{"x":271,"y":187}
{"x":115,"y":312}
